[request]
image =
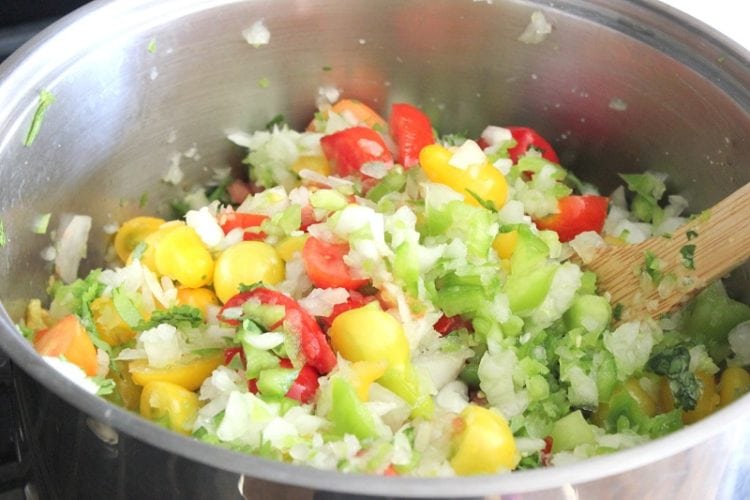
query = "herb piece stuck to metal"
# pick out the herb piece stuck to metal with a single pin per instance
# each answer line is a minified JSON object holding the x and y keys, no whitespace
{"x":45,"y":100}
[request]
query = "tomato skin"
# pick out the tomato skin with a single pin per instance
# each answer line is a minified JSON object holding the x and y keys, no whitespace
{"x":356,"y":300}
{"x":412,"y":130}
{"x":305,"y":386}
{"x":234,"y":220}
{"x":527,"y":137}
{"x":349,"y":149}
{"x":313,"y":343}
{"x":447,"y":324}
{"x":325,"y":266}
{"x":577,"y":213}
{"x":68,"y":338}
{"x":239,"y":190}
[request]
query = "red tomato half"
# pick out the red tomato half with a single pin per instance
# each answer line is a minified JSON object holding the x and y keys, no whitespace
{"x":325,"y":266}
{"x":234,"y":220}
{"x":526,"y":138}
{"x":312,"y":341}
{"x":576,"y":215}
{"x":412,"y":130}
{"x":349,"y":149}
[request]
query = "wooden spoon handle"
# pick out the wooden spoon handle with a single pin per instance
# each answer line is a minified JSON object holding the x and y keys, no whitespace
{"x":701,"y":251}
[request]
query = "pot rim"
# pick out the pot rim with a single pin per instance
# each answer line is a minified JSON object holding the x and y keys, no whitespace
{"x":27,"y":67}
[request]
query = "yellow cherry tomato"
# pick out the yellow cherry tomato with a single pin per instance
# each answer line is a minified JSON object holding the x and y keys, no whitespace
{"x":189,"y":375}
{"x":708,"y":401}
{"x":182,"y":256}
{"x":110,"y":325}
{"x":483,"y":179}
{"x":200,"y":298}
{"x":484,"y":443}
{"x":148,"y":258}
{"x":170,"y":405}
{"x":505,"y":244}
{"x":364,"y":373}
{"x":368,"y":334}
{"x":735,"y":381}
{"x":127,"y":392}
{"x":133,"y":232}
{"x":290,"y":246}
{"x":315,"y":163}
{"x":246,"y":263}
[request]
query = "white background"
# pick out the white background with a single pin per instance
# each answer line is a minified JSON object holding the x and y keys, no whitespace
{"x":727,"y":16}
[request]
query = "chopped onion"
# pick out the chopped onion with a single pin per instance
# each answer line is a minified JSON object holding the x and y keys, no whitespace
{"x":494,"y":135}
{"x":73,"y":234}
{"x":468,"y":154}
{"x":320,"y":302}
{"x":537,"y":30}
{"x":257,"y":34}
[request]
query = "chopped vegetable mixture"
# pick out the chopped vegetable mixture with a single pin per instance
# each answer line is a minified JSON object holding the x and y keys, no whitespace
{"x":375,"y":298}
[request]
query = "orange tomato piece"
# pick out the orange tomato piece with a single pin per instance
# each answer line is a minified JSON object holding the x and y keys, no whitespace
{"x":68,"y":338}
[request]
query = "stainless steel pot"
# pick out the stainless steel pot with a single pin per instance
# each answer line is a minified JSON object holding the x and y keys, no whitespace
{"x":618,"y":86}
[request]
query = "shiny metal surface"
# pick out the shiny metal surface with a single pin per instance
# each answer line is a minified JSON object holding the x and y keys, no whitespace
{"x":618,"y":87}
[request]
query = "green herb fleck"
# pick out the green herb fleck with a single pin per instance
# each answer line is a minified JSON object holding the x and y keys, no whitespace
{"x":151,"y":46}
{"x":125,"y":308}
{"x":3,"y":237}
{"x":617,"y":311}
{"x":40,"y":223}
{"x":106,"y":385}
{"x":143,"y":200}
{"x":652,"y":265}
{"x":248,"y":288}
{"x":276,"y":121}
{"x":688,"y":256}
{"x":691,"y":234}
{"x":45,"y":100}
{"x":24,"y":330}
{"x":454,"y":139}
{"x":177,"y":316}
{"x":674,"y":363}
{"x":327,"y":68}
{"x":484,"y":203}
{"x":264,"y":83}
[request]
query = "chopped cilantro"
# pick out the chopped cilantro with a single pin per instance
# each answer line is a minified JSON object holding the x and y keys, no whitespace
{"x":277,"y":120}
{"x":151,"y":46}
{"x":179,"y":208}
{"x":143,"y":200}
{"x":176,"y":316}
{"x":3,"y":237}
{"x":264,"y":83}
{"x":45,"y":100}
{"x":106,"y":385}
{"x":652,"y":265}
{"x":617,"y":311}
{"x":688,"y":256}
{"x":691,"y":234}
{"x":327,"y":68}
{"x":248,"y":288}
{"x":454,"y":139}
{"x":25,"y":331}
{"x":674,"y":363}
{"x":126,"y":308}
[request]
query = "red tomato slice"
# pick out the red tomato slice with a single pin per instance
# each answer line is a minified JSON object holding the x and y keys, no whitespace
{"x":233,"y":220}
{"x":305,"y":386}
{"x":68,"y":338}
{"x":526,"y":138}
{"x":325,"y":266}
{"x":356,"y":300}
{"x":231,"y":352}
{"x":412,"y":130}
{"x":349,"y":149}
{"x":313,"y":343}
{"x":576,"y":215}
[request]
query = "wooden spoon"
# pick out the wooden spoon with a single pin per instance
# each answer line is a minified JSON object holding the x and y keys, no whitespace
{"x":701,"y":251}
